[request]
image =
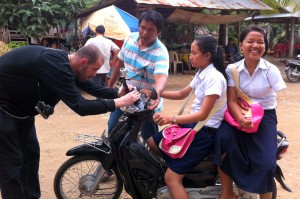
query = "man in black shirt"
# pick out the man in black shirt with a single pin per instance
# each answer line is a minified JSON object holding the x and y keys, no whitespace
{"x":232,"y":52}
{"x":33,"y":74}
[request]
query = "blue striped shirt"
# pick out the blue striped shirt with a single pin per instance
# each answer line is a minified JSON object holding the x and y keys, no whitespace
{"x":142,"y":65}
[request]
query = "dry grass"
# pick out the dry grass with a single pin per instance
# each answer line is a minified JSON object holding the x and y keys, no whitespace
{"x":3,"y":48}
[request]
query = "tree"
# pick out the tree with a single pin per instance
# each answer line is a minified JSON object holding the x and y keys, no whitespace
{"x":279,"y":6}
{"x":281,"y":31}
{"x":91,"y":3}
{"x":34,"y":18}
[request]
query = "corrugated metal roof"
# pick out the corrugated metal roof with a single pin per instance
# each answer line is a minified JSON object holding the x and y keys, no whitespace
{"x":131,"y":6}
{"x":276,"y":18}
{"x":211,"y":4}
{"x":180,"y":16}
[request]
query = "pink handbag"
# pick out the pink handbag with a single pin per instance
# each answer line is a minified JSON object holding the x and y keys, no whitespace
{"x":253,"y":111}
{"x":256,"y":112}
{"x":176,"y":140}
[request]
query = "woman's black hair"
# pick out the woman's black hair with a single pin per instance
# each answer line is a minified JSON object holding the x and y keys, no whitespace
{"x":245,"y":32}
{"x":207,"y":43}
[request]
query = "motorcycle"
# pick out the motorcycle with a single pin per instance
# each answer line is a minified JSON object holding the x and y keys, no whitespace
{"x":135,"y":166}
{"x":292,"y":69}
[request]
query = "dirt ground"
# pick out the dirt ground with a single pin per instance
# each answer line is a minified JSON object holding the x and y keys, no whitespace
{"x":56,"y":135}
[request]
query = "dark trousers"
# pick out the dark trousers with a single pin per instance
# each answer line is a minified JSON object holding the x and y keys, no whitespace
{"x":19,"y":158}
{"x":100,"y":79}
{"x":148,"y":129}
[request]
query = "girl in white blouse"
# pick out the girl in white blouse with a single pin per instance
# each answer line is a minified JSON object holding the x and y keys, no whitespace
{"x":210,"y":86}
{"x":250,"y":159}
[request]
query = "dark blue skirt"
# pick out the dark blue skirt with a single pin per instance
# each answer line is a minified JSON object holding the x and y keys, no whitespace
{"x":250,"y":159}
{"x":201,"y":146}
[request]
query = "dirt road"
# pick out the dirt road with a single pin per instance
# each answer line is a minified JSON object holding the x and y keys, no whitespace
{"x":56,"y":135}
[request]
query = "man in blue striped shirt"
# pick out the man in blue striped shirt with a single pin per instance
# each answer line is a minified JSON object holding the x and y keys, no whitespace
{"x":146,"y":61}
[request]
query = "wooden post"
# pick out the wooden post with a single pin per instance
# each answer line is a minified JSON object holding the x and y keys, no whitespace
{"x":238,"y":31}
{"x":292,"y":35}
{"x":222,"y":30}
{"x":76,"y":43}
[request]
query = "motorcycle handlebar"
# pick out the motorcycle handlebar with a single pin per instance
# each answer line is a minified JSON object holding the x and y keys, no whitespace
{"x":281,"y":135}
{"x":141,"y":104}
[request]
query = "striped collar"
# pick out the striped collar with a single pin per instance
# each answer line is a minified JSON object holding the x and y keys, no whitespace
{"x":136,"y":37}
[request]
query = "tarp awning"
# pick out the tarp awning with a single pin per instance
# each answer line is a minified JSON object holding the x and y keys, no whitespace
{"x":186,"y":17}
{"x":118,"y":23}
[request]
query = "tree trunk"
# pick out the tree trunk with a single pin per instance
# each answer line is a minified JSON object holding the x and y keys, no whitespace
{"x":222,"y":30}
{"x":222,"y":35}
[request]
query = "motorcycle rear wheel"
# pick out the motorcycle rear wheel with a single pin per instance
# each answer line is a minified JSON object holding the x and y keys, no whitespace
{"x":78,"y":172}
{"x":289,"y":74}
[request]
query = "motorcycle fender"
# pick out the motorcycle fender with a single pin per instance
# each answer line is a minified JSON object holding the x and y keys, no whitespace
{"x":109,"y":161}
{"x":287,"y":68}
{"x":84,"y":149}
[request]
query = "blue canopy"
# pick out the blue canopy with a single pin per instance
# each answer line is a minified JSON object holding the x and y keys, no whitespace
{"x":118,"y":23}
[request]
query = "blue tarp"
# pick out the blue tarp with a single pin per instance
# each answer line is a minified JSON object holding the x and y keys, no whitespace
{"x":131,"y":21}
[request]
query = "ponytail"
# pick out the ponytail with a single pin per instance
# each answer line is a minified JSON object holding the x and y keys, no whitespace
{"x":218,"y":61}
{"x":207,"y":43}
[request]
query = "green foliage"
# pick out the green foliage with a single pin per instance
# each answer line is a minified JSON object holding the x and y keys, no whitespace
{"x":173,"y":46}
{"x":17,"y":44}
{"x":235,"y":40}
{"x":280,"y":6}
{"x":91,"y":3}
{"x":34,"y":18}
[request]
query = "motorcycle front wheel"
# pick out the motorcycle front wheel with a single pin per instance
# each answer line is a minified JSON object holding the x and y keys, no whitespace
{"x":290,"y":74}
{"x":74,"y":178}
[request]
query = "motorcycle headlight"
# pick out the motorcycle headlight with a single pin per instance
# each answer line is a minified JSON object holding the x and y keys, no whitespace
{"x":129,"y":109}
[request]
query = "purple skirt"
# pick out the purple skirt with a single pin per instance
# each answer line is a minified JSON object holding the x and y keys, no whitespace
{"x":250,"y":159}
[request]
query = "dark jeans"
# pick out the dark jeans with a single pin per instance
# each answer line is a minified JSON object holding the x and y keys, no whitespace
{"x":19,"y":158}
{"x":100,"y":79}
{"x":148,"y":128}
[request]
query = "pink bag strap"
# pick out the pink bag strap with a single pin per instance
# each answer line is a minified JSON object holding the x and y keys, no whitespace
{"x":200,"y":124}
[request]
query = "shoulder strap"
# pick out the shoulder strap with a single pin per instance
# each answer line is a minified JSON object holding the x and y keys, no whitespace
{"x":185,"y":103}
{"x":240,"y":93}
{"x":235,"y":75}
{"x":200,"y":124}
